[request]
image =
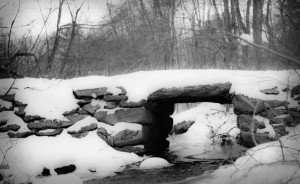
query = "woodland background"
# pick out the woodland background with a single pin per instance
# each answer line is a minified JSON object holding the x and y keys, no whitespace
{"x":156,"y":35}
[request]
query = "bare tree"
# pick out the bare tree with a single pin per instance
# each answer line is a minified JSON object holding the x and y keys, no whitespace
{"x":57,"y":37}
{"x":66,"y":58}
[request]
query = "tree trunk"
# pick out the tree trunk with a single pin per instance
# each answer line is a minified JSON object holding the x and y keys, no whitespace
{"x":241,"y":25}
{"x":56,"y":40}
{"x":172,"y":33}
{"x":268,"y":26}
{"x":248,"y":17}
{"x":257,"y":29}
{"x":227,"y":23}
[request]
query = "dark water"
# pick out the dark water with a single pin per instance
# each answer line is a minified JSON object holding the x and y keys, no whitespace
{"x":179,"y":171}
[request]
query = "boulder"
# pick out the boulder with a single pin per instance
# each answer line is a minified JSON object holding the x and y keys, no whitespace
{"x":286,"y":120}
{"x":90,"y":108}
{"x":244,"y":122}
{"x":280,"y":130}
{"x":191,"y":92}
{"x":53,"y":133}
{"x":124,"y":104}
{"x":132,"y":149}
{"x":65,"y":169}
{"x":20,"y":111}
{"x":294,"y":113}
{"x":12,"y":127}
{"x":295,"y":91}
{"x":296,"y":121}
{"x":123,"y":90}
{"x":271,"y":113}
{"x":245,"y":139}
{"x":83,"y":130}
{"x":118,"y":98}
{"x":102,"y":133}
{"x":246,"y":105}
{"x":132,"y":115}
{"x":100,"y":115}
{"x":182,"y":127}
{"x":29,"y":118}
{"x":91,"y":93}
{"x":111,"y":104}
{"x":135,"y":115}
{"x":48,"y":124}
{"x":20,"y":134}
{"x":82,"y":112}
{"x":127,"y":138}
{"x":3,"y":122}
{"x":76,"y":117}
{"x":84,"y":101}
{"x":271,"y":91}
{"x":71,"y":112}
{"x":110,"y":119}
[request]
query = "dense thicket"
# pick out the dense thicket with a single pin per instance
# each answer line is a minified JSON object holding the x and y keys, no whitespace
{"x":161,"y":34}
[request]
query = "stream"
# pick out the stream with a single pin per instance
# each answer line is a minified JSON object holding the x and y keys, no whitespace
{"x":178,"y":172}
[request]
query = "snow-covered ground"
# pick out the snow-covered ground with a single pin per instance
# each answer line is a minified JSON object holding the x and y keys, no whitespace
{"x":270,"y":163}
{"x":51,"y":98}
{"x":27,"y":157}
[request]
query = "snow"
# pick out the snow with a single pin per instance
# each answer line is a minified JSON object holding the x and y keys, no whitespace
{"x":154,"y":163}
{"x":46,"y":98}
{"x":82,"y":123}
{"x":27,"y":157}
{"x":202,"y":140}
{"x":51,"y":98}
{"x":5,"y":104}
{"x":247,"y":37}
{"x":11,"y":118}
{"x":271,"y":163}
{"x":99,"y":103}
{"x":32,"y":154}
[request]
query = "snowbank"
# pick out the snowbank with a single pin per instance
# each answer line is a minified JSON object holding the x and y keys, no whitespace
{"x":29,"y":156}
{"x":269,"y":163}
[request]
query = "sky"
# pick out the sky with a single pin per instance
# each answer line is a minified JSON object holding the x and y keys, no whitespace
{"x":32,"y":12}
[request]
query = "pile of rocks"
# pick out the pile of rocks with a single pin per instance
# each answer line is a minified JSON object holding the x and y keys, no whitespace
{"x":259,"y":118}
{"x":107,"y":108}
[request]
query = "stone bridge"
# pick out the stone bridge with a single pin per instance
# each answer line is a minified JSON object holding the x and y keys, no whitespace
{"x":153,"y":114}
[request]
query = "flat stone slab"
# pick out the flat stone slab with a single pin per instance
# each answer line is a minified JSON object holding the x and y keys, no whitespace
{"x":91,"y":93}
{"x":48,"y":124}
{"x":199,"y":91}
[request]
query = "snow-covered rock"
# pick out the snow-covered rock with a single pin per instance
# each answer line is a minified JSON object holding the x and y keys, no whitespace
{"x":154,"y":163}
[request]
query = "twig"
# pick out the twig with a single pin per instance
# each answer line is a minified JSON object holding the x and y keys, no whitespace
{"x":10,"y":86}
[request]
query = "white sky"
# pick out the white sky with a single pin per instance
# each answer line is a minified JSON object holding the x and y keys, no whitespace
{"x":91,"y":13}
